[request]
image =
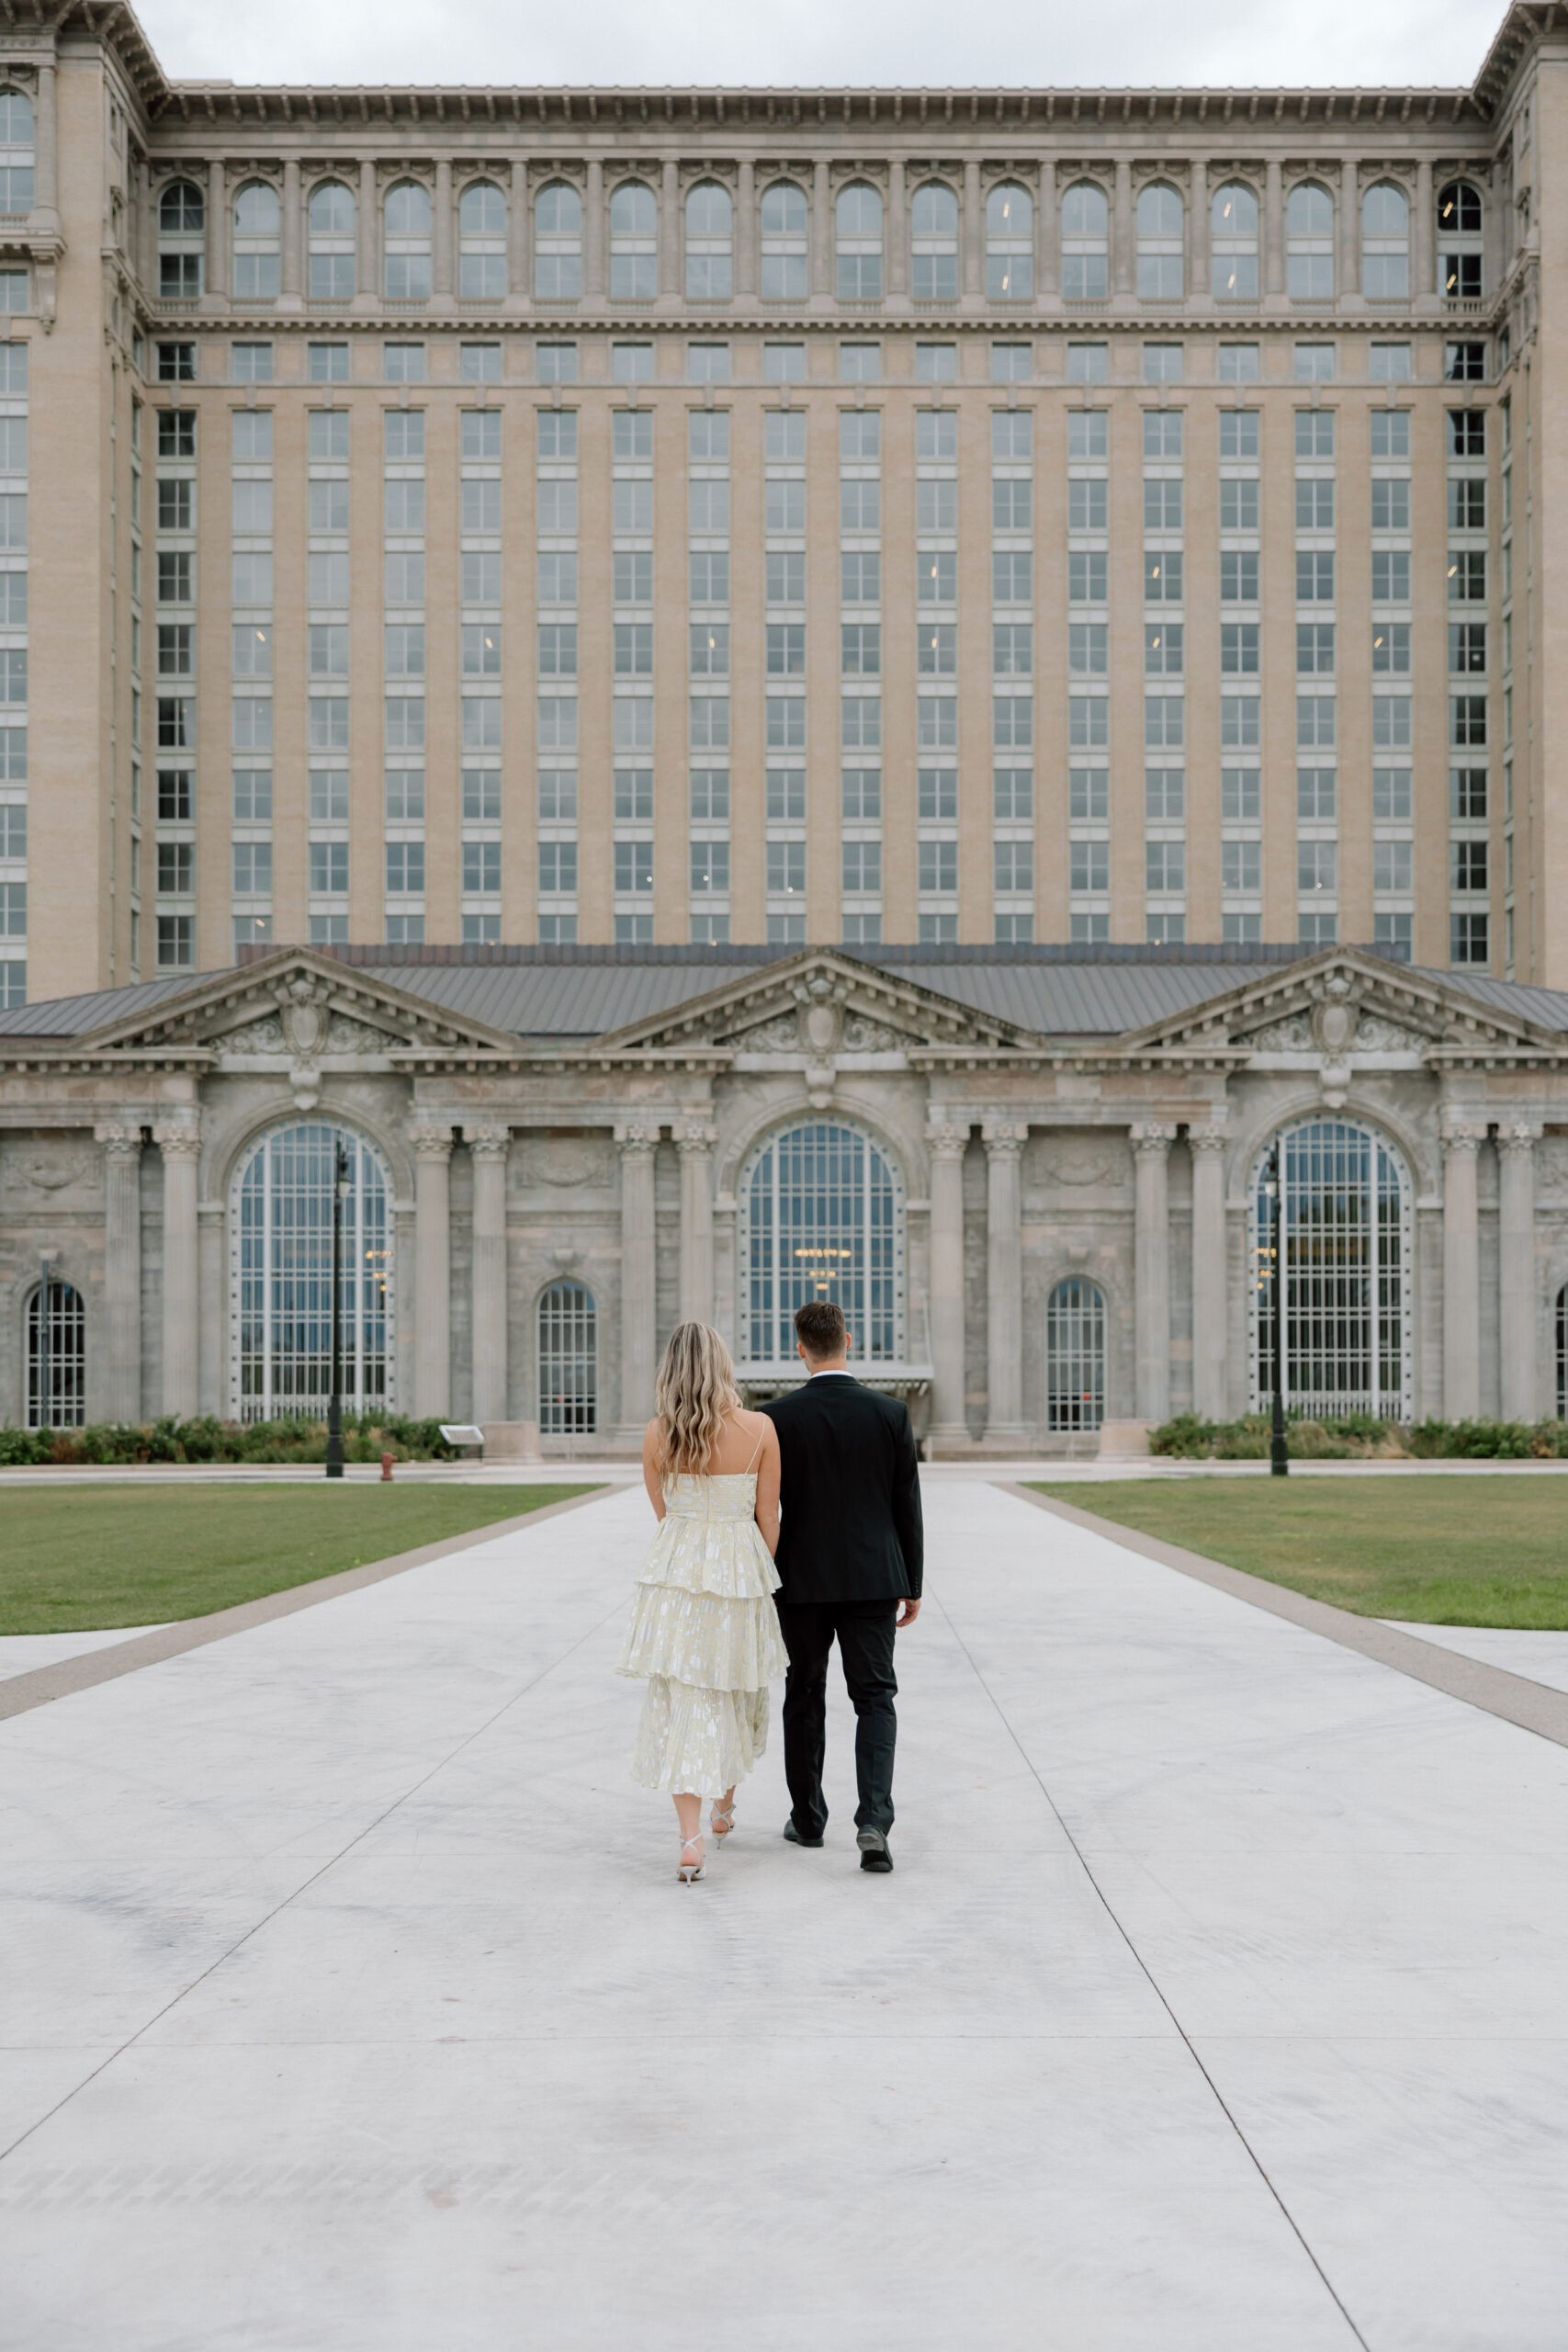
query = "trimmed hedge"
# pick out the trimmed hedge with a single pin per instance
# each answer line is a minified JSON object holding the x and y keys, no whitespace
{"x":295,"y":1437}
{"x":1359,"y":1438}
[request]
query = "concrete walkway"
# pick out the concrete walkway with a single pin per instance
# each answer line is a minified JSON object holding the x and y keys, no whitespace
{"x":350,"y":2006}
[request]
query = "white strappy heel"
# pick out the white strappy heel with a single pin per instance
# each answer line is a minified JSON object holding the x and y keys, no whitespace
{"x":689,"y":1872}
{"x":722,"y":1821}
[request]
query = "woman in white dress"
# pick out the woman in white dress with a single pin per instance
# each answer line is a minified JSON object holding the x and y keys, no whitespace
{"x":704,"y":1629}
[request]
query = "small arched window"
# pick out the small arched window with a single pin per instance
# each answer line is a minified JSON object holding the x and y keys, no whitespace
{"x":1075,"y":1355}
{"x":784,"y":243}
{"x":57,"y":1358}
{"x":709,"y":247}
{"x":181,"y":225}
{"x":634,"y":244}
{"x":481,"y":233}
{"x":558,"y":244}
{"x":1385,"y":244}
{"x":1159,"y":245}
{"x":258,"y":220}
{"x":1086,"y":244}
{"x":934,"y":254}
{"x":1309,"y":243}
{"x":857,"y":220}
{"x":1459,"y":243}
{"x":330,"y":218}
{"x":568,"y":1360}
{"x":1233,"y":243}
{"x":1010,"y":244}
{"x":408,"y":243}
{"x":15,"y":152}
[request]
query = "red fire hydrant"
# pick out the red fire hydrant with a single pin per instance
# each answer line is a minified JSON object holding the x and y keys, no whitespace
{"x":386,"y":1462}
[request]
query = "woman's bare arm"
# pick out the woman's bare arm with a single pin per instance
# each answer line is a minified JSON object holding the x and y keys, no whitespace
{"x":651,"y":1476}
{"x":769,"y":1469}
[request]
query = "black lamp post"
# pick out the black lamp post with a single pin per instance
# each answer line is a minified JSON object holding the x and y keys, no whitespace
{"x":1273,"y":1186}
{"x":335,"y":1404}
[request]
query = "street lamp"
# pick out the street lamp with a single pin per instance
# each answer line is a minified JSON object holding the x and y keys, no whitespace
{"x":1274,"y":1191}
{"x":335,"y":1404}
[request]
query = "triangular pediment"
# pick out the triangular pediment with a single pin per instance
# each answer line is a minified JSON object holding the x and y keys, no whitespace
{"x":299,"y":1005}
{"x":1343,"y":1003}
{"x":817,"y":1003}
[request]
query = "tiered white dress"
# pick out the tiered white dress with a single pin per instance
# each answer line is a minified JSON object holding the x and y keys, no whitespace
{"x":704,"y":1633}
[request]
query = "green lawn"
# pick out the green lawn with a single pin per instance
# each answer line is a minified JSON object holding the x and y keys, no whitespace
{"x":84,"y":1558}
{"x":1439,"y":1550}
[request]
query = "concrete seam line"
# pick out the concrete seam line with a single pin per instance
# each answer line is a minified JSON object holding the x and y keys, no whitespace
{"x":1532,"y":1706}
{"x":22,"y":1692}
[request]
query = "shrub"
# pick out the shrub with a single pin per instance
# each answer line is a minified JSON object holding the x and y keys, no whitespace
{"x":1489,"y":1441}
{"x":1359,"y":1437}
{"x":295,"y":1437}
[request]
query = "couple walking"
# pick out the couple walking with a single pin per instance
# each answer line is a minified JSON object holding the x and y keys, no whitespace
{"x":779,"y":1533}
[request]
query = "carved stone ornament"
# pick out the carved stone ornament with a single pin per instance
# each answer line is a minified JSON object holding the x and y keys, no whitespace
{"x":863,"y":1035}
{"x":821,"y":1002}
{"x":1289,"y":1036}
{"x":780,"y":1035}
{"x":305,"y":1017}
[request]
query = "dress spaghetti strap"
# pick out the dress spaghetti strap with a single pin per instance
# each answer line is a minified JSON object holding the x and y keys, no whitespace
{"x":756,"y":1457}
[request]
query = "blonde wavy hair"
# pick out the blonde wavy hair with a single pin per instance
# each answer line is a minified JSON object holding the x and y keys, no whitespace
{"x":694,"y":1391}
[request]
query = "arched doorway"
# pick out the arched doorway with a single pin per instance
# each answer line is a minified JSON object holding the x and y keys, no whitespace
{"x":1075,"y":1355}
{"x":1345,"y":1220}
{"x":823,"y":1211}
{"x":57,"y":1358}
{"x":280,"y":1248}
{"x":568,"y":1360}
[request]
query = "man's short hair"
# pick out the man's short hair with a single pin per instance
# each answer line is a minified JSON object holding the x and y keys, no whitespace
{"x":819,"y":1327}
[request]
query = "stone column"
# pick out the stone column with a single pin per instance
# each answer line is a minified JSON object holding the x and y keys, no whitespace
{"x":1124,"y":239}
{"x":639,"y":1321}
{"x":1151,"y":1269}
{"x":1273,"y":230}
{"x":594,"y":234}
{"x":181,"y":1148}
{"x":947,"y":1146}
{"x":367,"y":240}
{"x":671,"y":240}
{"x":433,"y":1272}
{"x":1423,"y":239}
{"x":1047,"y":239}
{"x":519,"y":245}
{"x":695,"y":1142}
{"x":217,"y":239}
{"x":821,"y":231}
{"x":1198,"y":271}
{"x":1210,"y":1303}
{"x":1461,"y":1275}
{"x":441,"y":282}
{"x":743,"y":233}
{"x":1516,"y":1269}
{"x":972,"y":233}
{"x":895,"y":229}
{"x":291,"y":275}
{"x":487,"y":1148}
{"x":45,"y":218}
{"x":122,"y":1267}
{"x":1004,"y":1281}
{"x":1350,"y":279}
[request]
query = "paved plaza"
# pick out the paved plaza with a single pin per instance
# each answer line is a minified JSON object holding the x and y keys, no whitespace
{"x":1215,"y":2005}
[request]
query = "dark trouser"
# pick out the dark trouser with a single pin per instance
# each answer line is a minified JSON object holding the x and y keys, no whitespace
{"x":866,"y":1632}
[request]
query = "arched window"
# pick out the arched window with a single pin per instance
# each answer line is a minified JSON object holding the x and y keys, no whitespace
{"x":858,"y":220}
{"x":1010,"y":244}
{"x":824,"y":1213}
{"x":408,"y":243}
{"x":568,"y":1360}
{"x":257,"y":224}
{"x":1086,"y":244}
{"x":933,"y":244}
{"x":1309,"y":243}
{"x":1385,"y":244}
{"x":1075,"y":1355}
{"x":331,"y":223}
{"x":634,"y":244}
{"x":558,"y":244}
{"x":57,"y":1358}
{"x":181,"y":227}
{"x":709,"y":263}
{"x":15,"y":152}
{"x":1459,"y":242}
{"x":1159,"y":245}
{"x":1233,"y":242}
{"x":784,"y":243}
{"x":1563,"y":1353}
{"x":1345,"y":1216}
{"x":280,"y":1249}
{"x":481,"y":234}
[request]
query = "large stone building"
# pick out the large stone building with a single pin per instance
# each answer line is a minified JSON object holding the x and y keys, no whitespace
{"x":1047,"y":545}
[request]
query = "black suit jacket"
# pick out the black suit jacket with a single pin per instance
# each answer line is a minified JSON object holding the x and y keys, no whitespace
{"x":849,"y":1495}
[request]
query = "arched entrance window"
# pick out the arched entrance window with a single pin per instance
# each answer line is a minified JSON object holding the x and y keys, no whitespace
{"x":1345,"y":1211}
{"x":1075,"y":1355}
{"x":568,"y":1360}
{"x":57,"y":1358}
{"x":824,"y":1210}
{"x":280,"y":1254}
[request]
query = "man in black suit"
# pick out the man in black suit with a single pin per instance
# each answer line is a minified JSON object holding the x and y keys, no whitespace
{"x":850,"y":1555}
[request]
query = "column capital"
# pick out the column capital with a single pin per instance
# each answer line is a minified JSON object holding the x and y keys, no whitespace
{"x":1151,"y":1136}
{"x":693,"y":1136}
{"x":487,"y":1141}
{"x":179,"y":1142}
{"x":1459,"y":1139}
{"x":1207,"y":1140}
{"x":430,"y":1141}
{"x":1519,"y":1136}
{"x":635,"y":1141}
{"x":119,"y":1141}
{"x":947,"y":1141}
{"x":1003,"y":1140}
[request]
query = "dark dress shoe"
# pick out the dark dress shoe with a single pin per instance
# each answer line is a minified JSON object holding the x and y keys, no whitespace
{"x":874,"y":1853}
{"x":793,"y":1834}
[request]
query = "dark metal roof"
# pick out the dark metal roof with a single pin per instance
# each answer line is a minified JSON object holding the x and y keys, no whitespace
{"x":558,"y":994}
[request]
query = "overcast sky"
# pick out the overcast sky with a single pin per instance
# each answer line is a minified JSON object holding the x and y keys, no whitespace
{"x":812,"y":42}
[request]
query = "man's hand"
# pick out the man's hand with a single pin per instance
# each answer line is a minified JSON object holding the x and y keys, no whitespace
{"x":907,"y":1613}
